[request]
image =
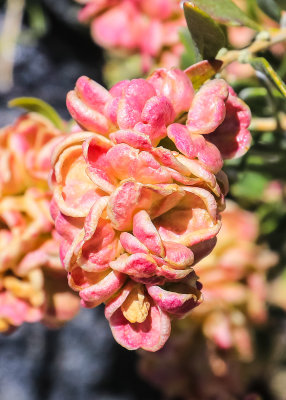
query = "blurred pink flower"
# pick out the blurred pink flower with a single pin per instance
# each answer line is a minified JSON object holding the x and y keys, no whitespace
{"x":148,"y":27}
{"x":29,"y":255}
{"x":234,"y":277}
{"x":25,"y":151}
{"x":202,"y":359}
{"x":274,"y":192}
{"x":134,"y":216}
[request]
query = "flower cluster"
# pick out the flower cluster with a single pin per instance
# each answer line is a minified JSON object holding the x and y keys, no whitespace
{"x":29,"y":258}
{"x":234,"y":291}
{"x":148,"y":27}
{"x":138,"y":195}
{"x":234,"y":277}
{"x":25,"y":152}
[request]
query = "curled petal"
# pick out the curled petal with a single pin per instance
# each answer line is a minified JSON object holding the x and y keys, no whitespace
{"x":103,"y":246}
{"x":173,"y":274}
{"x":207,"y":111}
{"x":132,"y":103}
{"x":103,"y":289}
{"x":136,"y":265}
{"x":146,"y":232}
{"x":118,"y":89}
{"x":126,"y":162}
{"x":149,"y":335}
{"x":232,"y":137}
{"x":210,"y":156}
{"x":117,"y":301}
{"x":92,"y":94}
{"x":91,"y":221}
{"x":175,"y":85}
{"x":195,"y":146}
{"x":111,"y":107}
{"x":86,"y":116}
{"x":168,"y":159}
{"x":131,"y":244}
{"x":95,"y":151}
{"x":194,"y":221}
{"x":122,"y":203}
{"x":74,"y":139}
{"x":207,"y":198}
{"x":203,"y":249}
{"x":223,"y":182}
{"x":180,"y":135}
{"x":157,"y":113}
{"x":175,"y":302}
{"x":132,"y":138}
{"x":130,"y":197}
{"x":178,"y":255}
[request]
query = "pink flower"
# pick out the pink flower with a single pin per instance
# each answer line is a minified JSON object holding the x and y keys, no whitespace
{"x":25,"y":151}
{"x":234,"y":278}
{"x":29,"y":253}
{"x":128,"y":25}
{"x":137,"y":196}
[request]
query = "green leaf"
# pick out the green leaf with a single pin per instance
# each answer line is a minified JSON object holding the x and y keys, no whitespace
{"x":189,"y":55}
{"x":250,"y":185}
{"x":264,"y":70}
{"x":252,"y":10}
{"x":271,"y":8}
{"x":207,"y":36}
{"x":225,"y":12}
{"x":270,"y":214}
{"x":37,"y":19}
{"x":282,"y":4}
{"x":39,"y":106}
{"x":252,"y":92}
{"x":202,"y":71}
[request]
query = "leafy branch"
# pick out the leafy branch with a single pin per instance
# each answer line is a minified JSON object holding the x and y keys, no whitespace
{"x":260,"y":44}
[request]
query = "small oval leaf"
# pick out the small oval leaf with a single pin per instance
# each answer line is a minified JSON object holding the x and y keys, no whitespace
{"x":40,"y":106}
{"x":208,"y":37}
{"x":226,"y":12}
{"x":189,"y":55}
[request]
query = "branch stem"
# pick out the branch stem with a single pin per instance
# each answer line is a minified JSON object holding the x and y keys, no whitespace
{"x":276,"y":36}
{"x":268,"y":124}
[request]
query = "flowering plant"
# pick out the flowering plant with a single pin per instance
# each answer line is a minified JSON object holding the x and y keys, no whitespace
{"x":29,"y":249}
